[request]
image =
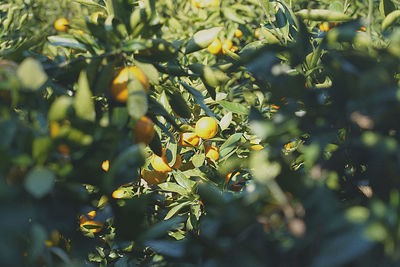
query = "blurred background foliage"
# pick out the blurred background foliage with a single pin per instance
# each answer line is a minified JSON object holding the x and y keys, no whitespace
{"x":306,"y":97}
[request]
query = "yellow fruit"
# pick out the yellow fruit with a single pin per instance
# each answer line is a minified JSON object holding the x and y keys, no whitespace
{"x":288,"y":146}
{"x":95,"y":16}
{"x":118,"y":194}
{"x":119,"y":89}
{"x":54,"y":128}
{"x":189,"y":139}
{"x":256,"y":144}
{"x":257,"y":33}
{"x":324,"y":27}
{"x":196,"y":3}
{"x":212,"y":152}
{"x":238,"y":33}
{"x":206,"y":128}
{"x":228,"y":176}
{"x":91,"y":214}
{"x":178,"y":162}
{"x":215,"y":47}
{"x":61,"y":25}
{"x":227,"y":46}
{"x":105,"y":166}
{"x":160,"y":164}
{"x":234,"y":48}
{"x":90,"y":224}
{"x":154,"y":177}
{"x":143,"y":130}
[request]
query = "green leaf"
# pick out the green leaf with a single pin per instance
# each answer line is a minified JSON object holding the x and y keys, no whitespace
{"x":162,"y":228}
{"x":225,"y":121}
{"x":155,"y":145}
{"x":40,"y":149}
{"x":232,"y":15}
{"x":66,"y":41}
{"x":83,"y":101}
{"x":323,"y":15}
{"x":386,"y":7}
{"x":262,"y":169}
{"x":39,"y":182}
{"x":61,"y":108}
{"x":88,"y":3}
{"x":137,"y":98}
{"x":234,"y":107}
{"x":176,"y":209}
{"x":179,"y":105}
{"x":202,"y":39}
{"x":230,"y":144}
{"x":198,"y":98}
{"x":390,"y":19}
{"x":198,"y":160}
{"x":174,"y":249}
{"x":31,"y":74}
{"x":173,"y":187}
{"x":182,"y":180}
{"x":150,"y":71}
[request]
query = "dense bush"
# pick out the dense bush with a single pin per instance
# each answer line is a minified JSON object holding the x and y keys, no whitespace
{"x":107,"y":165}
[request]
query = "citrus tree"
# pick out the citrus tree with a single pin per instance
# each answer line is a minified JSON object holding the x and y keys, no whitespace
{"x":199,"y":133}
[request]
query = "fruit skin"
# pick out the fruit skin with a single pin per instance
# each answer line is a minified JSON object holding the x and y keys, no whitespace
{"x":119,"y":86}
{"x":178,"y":162}
{"x":143,"y":130}
{"x":256,"y":144}
{"x":212,"y":152}
{"x":61,"y":25}
{"x":227,"y":46}
{"x":238,"y":33}
{"x":324,"y":27}
{"x":105,"y":165}
{"x":206,"y":128}
{"x":189,"y":139}
{"x":257,"y":33}
{"x":154,"y":177}
{"x":95,"y":226}
{"x":236,"y":187}
{"x":160,"y":164}
{"x":215,"y":47}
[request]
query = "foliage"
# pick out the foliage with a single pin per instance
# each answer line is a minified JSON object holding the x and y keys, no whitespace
{"x":307,"y":172}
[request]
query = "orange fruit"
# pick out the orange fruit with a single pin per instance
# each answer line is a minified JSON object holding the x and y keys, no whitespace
{"x":238,"y":33}
{"x":143,"y":130}
{"x":212,"y":152}
{"x":227,"y":46}
{"x":228,"y":176}
{"x":178,"y":162}
{"x":118,"y":194}
{"x":234,"y":48}
{"x":324,"y":27}
{"x":189,"y":139}
{"x":215,"y":47}
{"x":64,"y":150}
{"x":154,"y":177}
{"x":105,"y":166}
{"x":86,"y":222}
{"x":119,"y":89}
{"x":91,"y":214}
{"x":288,"y":146}
{"x":160,"y":164}
{"x":61,"y":25}
{"x":206,"y":128}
